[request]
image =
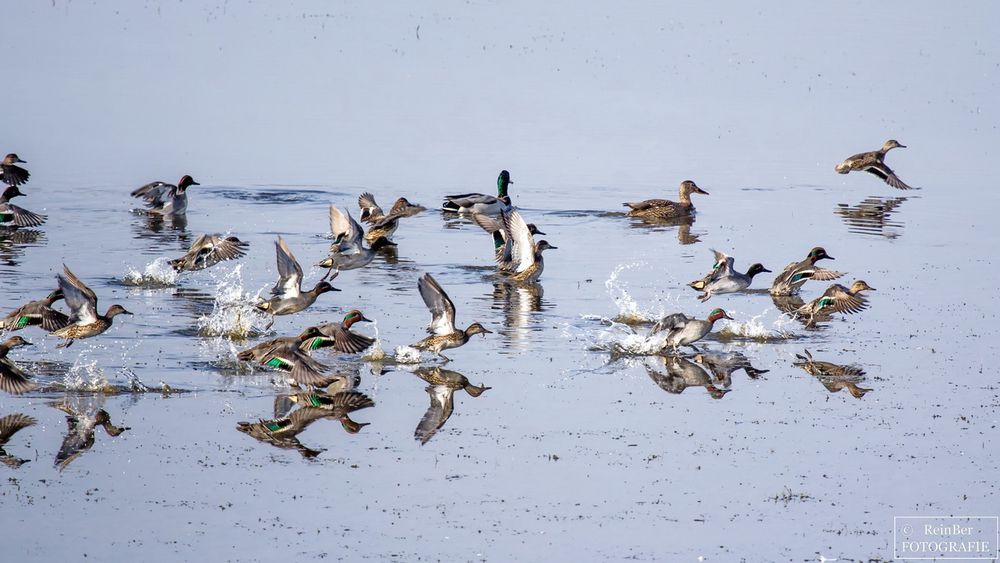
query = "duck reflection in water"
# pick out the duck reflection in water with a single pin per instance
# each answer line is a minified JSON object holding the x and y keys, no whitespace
{"x":10,"y":425}
{"x":724,"y":364}
{"x":81,"y":426}
{"x":13,"y":242}
{"x":873,"y":216}
{"x":517,"y":302}
{"x":835,"y":377}
{"x":680,"y":373}
{"x":442,"y":384}
{"x":283,"y":432}
{"x":683,"y":224}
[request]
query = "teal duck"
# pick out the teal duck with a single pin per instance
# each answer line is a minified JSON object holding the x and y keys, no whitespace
{"x":680,"y":330}
{"x":80,"y":433}
{"x":525,"y":256}
{"x":12,"y":174}
{"x":14,"y":216}
{"x":724,"y":278}
{"x":339,"y":335}
{"x":444,"y":334}
{"x":835,"y":377}
{"x":837,"y":299}
{"x":285,"y":354}
{"x":208,"y":250}
{"x":12,"y":379}
{"x":287,"y":295}
{"x":481,"y":203}
{"x":442,"y":384}
{"x":382,"y":225}
{"x":681,"y":374}
{"x":337,"y":405}
{"x":796,"y":274}
{"x":873,"y":162}
{"x":84,"y":321}
{"x":666,"y":209}
{"x":166,"y":199}
{"x":348,"y":251}
{"x":724,"y":364}
{"x":36,"y":313}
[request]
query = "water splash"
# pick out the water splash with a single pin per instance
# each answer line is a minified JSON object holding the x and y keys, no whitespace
{"x":156,"y":274}
{"x":629,"y":310}
{"x":755,"y":329}
{"x":407,"y":355}
{"x":375,"y":352}
{"x":233,"y":312}
{"x":86,"y":376}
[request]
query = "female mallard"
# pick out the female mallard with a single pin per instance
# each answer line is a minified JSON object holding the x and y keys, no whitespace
{"x":285,"y":354}
{"x":288,"y":295}
{"x":381,"y":224}
{"x":339,"y":335}
{"x":502,"y":244}
{"x":12,"y":379}
{"x":12,"y":174}
{"x":874,"y":163}
{"x":209,"y":250}
{"x":13,"y":216}
{"x":796,"y":274}
{"x":481,"y":203}
{"x":348,"y":251}
{"x":84,"y":321}
{"x":37,"y":313}
{"x":666,"y":209}
{"x":444,"y":335}
{"x":724,"y":278}
{"x":680,"y":330}
{"x":837,"y":299}
{"x":166,"y":199}
{"x":526,"y":259}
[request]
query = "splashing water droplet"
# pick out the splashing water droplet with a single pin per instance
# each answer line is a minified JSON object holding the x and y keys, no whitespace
{"x":156,"y":274}
{"x":233,"y":312}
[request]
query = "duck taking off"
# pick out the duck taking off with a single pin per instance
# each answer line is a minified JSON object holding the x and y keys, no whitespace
{"x":288,"y":296}
{"x":84,"y":321}
{"x":724,"y":278}
{"x":209,"y":250}
{"x":166,"y":199}
{"x":444,"y":334}
{"x":796,"y":274}
{"x":873,"y":162}
{"x":13,"y":216}
{"x":12,"y":174}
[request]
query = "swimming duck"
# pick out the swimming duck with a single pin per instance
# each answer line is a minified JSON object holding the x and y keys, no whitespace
{"x":14,"y":216}
{"x":723,"y":364}
{"x":666,"y":209}
{"x":525,"y":256}
{"x":36,"y":313}
{"x":12,"y":379}
{"x":382,"y":225}
{"x":680,"y":330}
{"x":166,"y":199}
{"x":339,"y":335}
{"x":481,"y":203}
{"x":80,"y":433}
{"x":348,"y":251}
{"x":288,"y":296}
{"x":208,"y":250}
{"x":681,"y":374}
{"x":337,"y":405}
{"x":12,"y":174}
{"x":442,"y":386}
{"x":444,"y":335}
{"x":10,"y":425}
{"x":724,"y":278}
{"x":285,"y":354}
{"x":837,"y":298}
{"x":84,"y":321}
{"x":874,"y":162}
{"x":835,"y":377}
{"x":791,"y":279}
{"x":503,"y":245}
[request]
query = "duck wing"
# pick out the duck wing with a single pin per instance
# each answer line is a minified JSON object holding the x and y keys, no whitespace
{"x":649,"y":204}
{"x":289,"y":283}
{"x":346,"y":402}
{"x":822,"y":274}
{"x":370,"y":210}
{"x":13,"y":175}
{"x":670,"y":323}
{"x":20,"y":216}
{"x":346,"y":341}
{"x":468,"y":200}
{"x":440,"y":305}
{"x":12,"y":379}
{"x":442,"y":404}
{"x":12,"y":424}
{"x":522,"y":243}
{"x":155,"y":194}
{"x":887,"y":175}
{"x":82,"y":301}
{"x":838,"y":298}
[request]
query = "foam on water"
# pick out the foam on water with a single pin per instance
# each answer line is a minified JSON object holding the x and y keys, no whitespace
{"x":407,"y":355}
{"x":157,"y":273}
{"x":233,"y":312}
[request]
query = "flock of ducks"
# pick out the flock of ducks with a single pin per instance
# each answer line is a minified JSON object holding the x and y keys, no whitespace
{"x":519,"y":259}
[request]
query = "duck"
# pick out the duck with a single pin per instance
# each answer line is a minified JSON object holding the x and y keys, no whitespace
{"x":873,"y":162}
{"x":36,"y":313}
{"x":12,"y":379}
{"x":337,"y":405}
{"x":526,"y":259}
{"x":12,"y":174}
{"x":502,"y":244}
{"x":680,"y":330}
{"x":724,"y":278}
{"x":339,"y":335}
{"x":13,"y":216}
{"x":666,"y":209}
{"x":444,"y":335}
{"x":837,"y":299}
{"x":723,"y":364}
{"x":208,"y":250}
{"x":835,"y":377}
{"x":10,"y":425}
{"x":285,"y":354}
{"x":166,"y":199}
{"x":442,"y":384}
{"x":381,"y":224}
{"x":80,"y":433}
{"x":287,"y":293}
{"x":481,"y":203}
{"x":84,"y":322}
{"x":348,"y":251}
{"x":682,"y":373}
{"x":796,"y":274}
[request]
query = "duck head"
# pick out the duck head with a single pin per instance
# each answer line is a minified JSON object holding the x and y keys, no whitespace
{"x":817,"y":254}
{"x":476,"y":390}
{"x":544,"y":245}
{"x":16,"y":342}
{"x":689,"y":187}
{"x":354,"y":316}
{"x":476,"y":328}
{"x":13,"y":159}
{"x":11,"y":193}
{"x":115,"y":310}
{"x":892,"y":144}
{"x":185,"y":182}
{"x":860,"y":285}
{"x":756,"y":269}
{"x":718,"y":314}
{"x":323,"y":287}
{"x":503,"y":180}
{"x":533,"y":229}
{"x":351,"y":426}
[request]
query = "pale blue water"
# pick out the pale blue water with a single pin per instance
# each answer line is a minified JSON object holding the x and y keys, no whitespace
{"x":280,"y":111}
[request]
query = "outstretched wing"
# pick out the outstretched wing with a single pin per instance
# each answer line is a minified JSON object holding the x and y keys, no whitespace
{"x":20,"y":216}
{"x":522,"y":243}
{"x":441,"y":307}
{"x":370,"y":211}
{"x":882,"y":171}
{"x":289,"y":272}
{"x":13,"y":175}
{"x":81,"y":299}
{"x":12,"y":423}
{"x":156,"y":194}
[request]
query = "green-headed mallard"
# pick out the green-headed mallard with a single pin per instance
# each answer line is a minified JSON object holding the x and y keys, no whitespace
{"x":481,"y":203}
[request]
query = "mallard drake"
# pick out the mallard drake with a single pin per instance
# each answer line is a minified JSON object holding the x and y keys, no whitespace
{"x":348,"y":251}
{"x":723,"y":364}
{"x":285,"y":354}
{"x":442,"y":386}
{"x":339,"y":336}
{"x":724,"y":278}
{"x":835,"y":377}
{"x":791,"y":279}
{"x":874,"y":163}
{"x":36,"y":313}
{"x":837,"y":299}
{"x":444,"y":335}
{"x":14,"y":216}
{"x":680,"y":330}
{"x":10,"y":425}
{"x":84,"y":322}
{"x":384,"y":225}
{"x":681,"y":374}
{"x":12,"y":379}
{"x":12,"y":174}
{"x":526,"y":259}
{"x":337,"y":405}
{"x":481,"y":203}
{"x":166,"y":199}
{"x":208,"y":250}
{"x":666,"y":209}
{"x":80,"y":433}
{"x":288,"y":296}
{"x":502,"y":244}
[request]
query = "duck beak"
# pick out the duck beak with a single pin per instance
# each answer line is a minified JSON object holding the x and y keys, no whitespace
{"x":485,"y":332}
{"x":870,"y":288}
{"x":726,"y":316}
{"x":540,"y":232}
{"x":126,"y":312}
{"x":21,"y":161}
{"x":900,"y":146}
{"x":828,"y":257}
{"x":766,"y":270}
{"x":364,"y":319}
{"x":193,"y":183}
{"x":700,"y":191}
{"x":553,"y":247}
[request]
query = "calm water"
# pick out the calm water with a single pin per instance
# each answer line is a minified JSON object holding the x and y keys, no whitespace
{"x":577,"y":451}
